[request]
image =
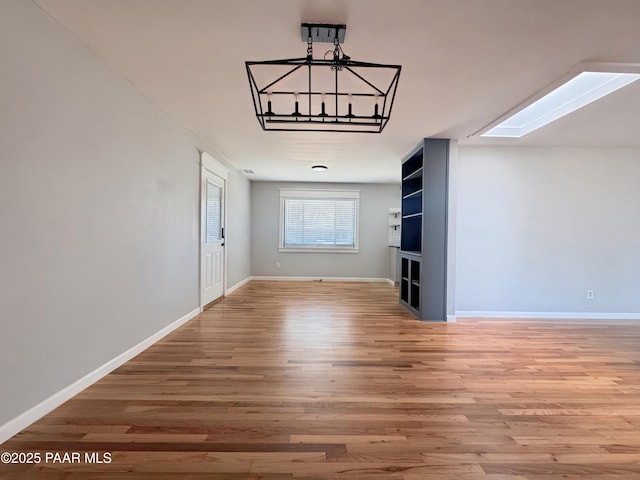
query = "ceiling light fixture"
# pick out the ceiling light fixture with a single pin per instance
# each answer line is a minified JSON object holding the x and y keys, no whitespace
{"x":332,"y":94}
{"x":584,"y":88}
{"x":319,"y":168}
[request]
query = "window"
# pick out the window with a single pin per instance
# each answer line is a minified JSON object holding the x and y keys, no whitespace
{"x":319,"y":220}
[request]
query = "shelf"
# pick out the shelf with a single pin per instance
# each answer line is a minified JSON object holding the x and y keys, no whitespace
{"x":414,"y":194}
{"x":415,"y":174}
{"x":415,"y":283}
{"x":413,"y":215}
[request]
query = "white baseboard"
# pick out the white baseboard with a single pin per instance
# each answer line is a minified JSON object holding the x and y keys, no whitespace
{"x":237,"y":286}
{"x":558,"y":315}
{"x":25,"y":419}
{"x":323,"y":279}
{"x":452,"y":319}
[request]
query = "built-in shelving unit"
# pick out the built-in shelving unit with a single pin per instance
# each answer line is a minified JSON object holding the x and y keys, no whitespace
{"x":394,"y":244}
{"x":423,"y":231}
{"x":394,"y":227}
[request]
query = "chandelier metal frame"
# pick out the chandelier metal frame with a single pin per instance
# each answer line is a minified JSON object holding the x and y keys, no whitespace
{"x":344,"y":117}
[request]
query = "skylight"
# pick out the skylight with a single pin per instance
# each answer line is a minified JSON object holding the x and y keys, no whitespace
{"x":581,"y":90}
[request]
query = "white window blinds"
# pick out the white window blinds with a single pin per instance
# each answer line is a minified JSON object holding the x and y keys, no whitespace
{"x":319,"y":219}
{"x":213,"y":213}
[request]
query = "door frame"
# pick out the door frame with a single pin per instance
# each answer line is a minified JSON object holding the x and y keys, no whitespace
{"x":209,"y":163}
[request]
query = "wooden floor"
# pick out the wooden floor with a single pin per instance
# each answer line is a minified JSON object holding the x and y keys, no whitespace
{"x":325,"y":380}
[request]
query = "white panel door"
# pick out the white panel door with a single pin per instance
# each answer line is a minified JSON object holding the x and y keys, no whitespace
{"x":212,"y":251}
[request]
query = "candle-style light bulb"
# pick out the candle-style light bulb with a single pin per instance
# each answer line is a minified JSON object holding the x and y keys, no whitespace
{"x":323,"y":112}
{"x":296,"y":112}
{"x":375,"y":108}
{"x":350,"y":113}
{"x":269,"y":112}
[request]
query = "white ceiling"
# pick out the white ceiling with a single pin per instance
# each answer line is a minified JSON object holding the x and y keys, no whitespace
{"x":464,"y":64}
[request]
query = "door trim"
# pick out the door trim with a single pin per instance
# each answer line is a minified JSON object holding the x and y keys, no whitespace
{"x":213,"y":165}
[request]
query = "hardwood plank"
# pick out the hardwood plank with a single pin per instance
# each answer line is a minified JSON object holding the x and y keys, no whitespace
{"x":324,"y":380}
{"x":347,"y":439}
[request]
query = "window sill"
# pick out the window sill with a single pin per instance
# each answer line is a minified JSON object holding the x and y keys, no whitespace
{"x":318,"y":250}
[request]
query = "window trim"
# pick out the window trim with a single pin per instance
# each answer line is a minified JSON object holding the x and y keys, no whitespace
{"x":310,"y":194}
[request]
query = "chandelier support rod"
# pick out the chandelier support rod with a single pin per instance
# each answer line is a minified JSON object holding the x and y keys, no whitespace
{"x":394,"y":82}
{"x":257,"y":104}
{"x":263,"y":90}
{"x":309,"y":92}
{"x":366,"y":81}
{"x":309,"y":61}
{"x":336,"y":93}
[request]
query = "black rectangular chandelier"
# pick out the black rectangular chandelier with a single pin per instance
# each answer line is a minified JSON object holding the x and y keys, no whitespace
{"x":332,"y":94}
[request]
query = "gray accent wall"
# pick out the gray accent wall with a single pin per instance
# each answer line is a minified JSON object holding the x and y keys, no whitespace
{"x":99,"y":201}
{"x":371,"y":262}
{"x":538,"y":227}
{"x":238,"y":228}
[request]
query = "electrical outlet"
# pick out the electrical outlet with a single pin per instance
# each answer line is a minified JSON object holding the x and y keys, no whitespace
{"x":277,"y":264}
{"x":590,"y":294}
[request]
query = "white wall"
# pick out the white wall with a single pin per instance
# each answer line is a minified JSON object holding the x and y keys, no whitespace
{"x":99,"y":198}
{"x":538,"y":227}
{"x":371,"y":262}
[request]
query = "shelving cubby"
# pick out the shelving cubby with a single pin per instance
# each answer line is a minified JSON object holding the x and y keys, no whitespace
{"x":411,"y":214}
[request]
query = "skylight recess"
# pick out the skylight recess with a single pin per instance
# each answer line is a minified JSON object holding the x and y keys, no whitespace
{"x":581,"y":90}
